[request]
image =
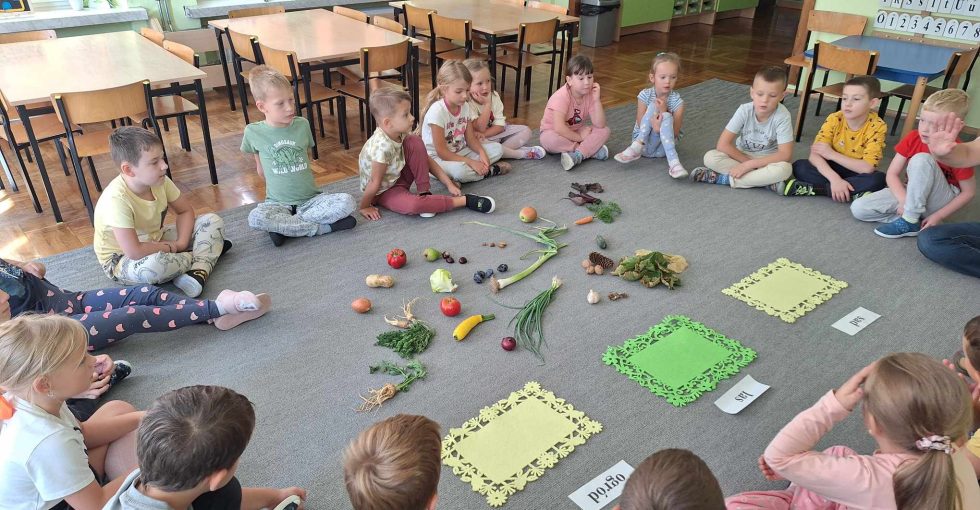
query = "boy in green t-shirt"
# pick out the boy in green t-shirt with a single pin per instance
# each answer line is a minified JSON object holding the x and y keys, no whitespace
{"x":293,"y":205}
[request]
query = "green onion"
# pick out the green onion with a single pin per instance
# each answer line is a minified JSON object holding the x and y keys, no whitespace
{"x":545,"y":236}
{"x":528,"y":328}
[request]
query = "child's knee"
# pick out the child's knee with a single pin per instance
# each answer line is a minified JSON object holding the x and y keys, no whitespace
{"x":861,"y":209}
{"x":601,"y":133}
{"x":210,"y":220}
{"x":921,"y":162}
{"x":494,"y":150}
{"x":713,"y":157}
{"x":413,"y":143}
{"x":117,"y":407}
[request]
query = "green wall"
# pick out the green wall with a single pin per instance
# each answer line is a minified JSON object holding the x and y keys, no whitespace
{"x":870,"y":8}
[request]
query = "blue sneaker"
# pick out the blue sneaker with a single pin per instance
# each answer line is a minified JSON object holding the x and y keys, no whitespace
{"x":898,"y":228}
{"x":602,"y":154}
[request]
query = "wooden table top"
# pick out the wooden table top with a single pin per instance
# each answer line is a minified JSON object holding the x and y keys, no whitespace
{"x":315,"y":34}
{"x":488,"y":17}
{"x":34,"y":70}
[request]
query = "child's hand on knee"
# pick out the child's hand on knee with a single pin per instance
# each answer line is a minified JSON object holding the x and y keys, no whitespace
{"x":478,"y":166}
{"x":739,"y":170}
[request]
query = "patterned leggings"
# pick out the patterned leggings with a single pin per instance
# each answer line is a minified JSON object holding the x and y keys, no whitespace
{"x":113,"y":314}
{"x":302,"y":220}
{"x":658,"y":144}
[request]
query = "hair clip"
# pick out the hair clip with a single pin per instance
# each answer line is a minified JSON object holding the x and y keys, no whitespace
{"x":939,"y":443}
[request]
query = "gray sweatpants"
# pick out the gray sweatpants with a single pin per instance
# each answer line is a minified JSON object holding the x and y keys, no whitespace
{"x":206,"y":245}
{"x":926,"y":192}
{"x":303,"y":220}
{"x":460,"y":171}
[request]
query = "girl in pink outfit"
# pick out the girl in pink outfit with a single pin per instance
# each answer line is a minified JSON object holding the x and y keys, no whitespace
{"x":563,"y":128}
{"x":917,"y":411}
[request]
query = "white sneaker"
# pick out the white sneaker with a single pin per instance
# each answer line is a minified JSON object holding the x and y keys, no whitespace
{"x":677,"y":171}
{"x":427,"y":215}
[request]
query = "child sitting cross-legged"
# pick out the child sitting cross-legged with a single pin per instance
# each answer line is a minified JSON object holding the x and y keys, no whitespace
{"x":188,"y":447}
{"x":293,"y":206}
{"x":847,"y":150}
{"x":487,"y":115}
{"x":130,"y":241}
{"x":672,"y":479}
{"x":394,"y":464}
{"x":934,"y":190}
{"x":563,"y":128}
{"x":392,"y":159}
{"x":754,"y":148}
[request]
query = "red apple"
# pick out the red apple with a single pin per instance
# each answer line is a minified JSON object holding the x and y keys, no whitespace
{"x":450,"y":306}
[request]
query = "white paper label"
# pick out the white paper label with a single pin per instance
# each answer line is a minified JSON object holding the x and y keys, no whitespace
{"x":603,"y":489}
{"x":855,"y":321}
{"x":741,"y":395}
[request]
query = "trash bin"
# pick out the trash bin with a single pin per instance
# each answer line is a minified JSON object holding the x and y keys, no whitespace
{"x":598,"y":22}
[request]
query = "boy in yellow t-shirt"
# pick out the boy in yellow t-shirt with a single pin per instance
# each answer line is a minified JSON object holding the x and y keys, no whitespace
{"x":131,"y":242}
{"x":846,"y":152}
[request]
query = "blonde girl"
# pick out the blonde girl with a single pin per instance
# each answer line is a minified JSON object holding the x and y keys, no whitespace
{"x":563,"y":128}
{"x":448,"y":133}
{"x":47,"y":458}
{"x":487,"y":115}
{"x":659,"y":117}
{"x":917,"y":411}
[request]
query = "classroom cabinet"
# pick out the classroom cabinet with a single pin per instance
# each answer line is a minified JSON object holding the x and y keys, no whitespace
{"x":641,"y":12}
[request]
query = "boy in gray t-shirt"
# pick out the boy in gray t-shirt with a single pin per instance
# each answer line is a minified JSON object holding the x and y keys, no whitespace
{"x":755,"y":148}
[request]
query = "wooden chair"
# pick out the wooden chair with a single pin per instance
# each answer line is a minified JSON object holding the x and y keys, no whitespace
{"x":825,"y":22}
{"x":353,"y":71}
{"x":313,"y":93}
{"x":388,"y":24}
{"x":154,"y":35}
{"x":244,"y":48}
{"x":960,"y":64}
{"x":36,"y":35}
{"x":350,"y":13}
{"x":834,"y":58}
{"x":449,"y":30}
{"x":256,"y":11}
{"x":46,"y":127}
{"x":374,"y":61}
{"x":95,"y":108}
{"x":418,"y":26}
{"x":174,"y":105}
{"x":522,"y":60}
{"x":562,"y":38}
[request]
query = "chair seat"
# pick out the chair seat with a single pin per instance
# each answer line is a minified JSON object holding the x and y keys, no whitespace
{"x":357,"y":89}
{"x":905,"y":92}
{"x":459,"y":53}
{"x":91,"y":143}
{"x":45,"y":127}
{"x":835,"y":90}
{"x":798,"y":60}
{"x":442,"y":45}
{"x":170,"y":106}
{"x":318,"y":93}
{"x":354,"y":72}
{"x":530,"y":59}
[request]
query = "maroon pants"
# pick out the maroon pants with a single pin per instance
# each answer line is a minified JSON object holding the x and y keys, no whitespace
{"x":399,"y":197}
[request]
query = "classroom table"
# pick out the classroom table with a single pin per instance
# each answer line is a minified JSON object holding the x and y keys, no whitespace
{"x":497,"y":21}
{"x":911,"y":62}
{"x":315,"y":36}
{"x":34,"y":70}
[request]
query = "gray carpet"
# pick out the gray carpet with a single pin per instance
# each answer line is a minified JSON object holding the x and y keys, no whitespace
{"x":305,"y":363}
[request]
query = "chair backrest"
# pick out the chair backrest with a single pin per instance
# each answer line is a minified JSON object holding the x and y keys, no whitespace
{"x":959,"y":65}
{"x":846,"y":60}
{"x":350,"y":13}
{"x":186,"y":53}
{"x":36,"y":35}
{"x":387,"y":24}
{"x":154,"y":35}
{"x":256,"y":11}
{"x":539,"y":32}
{"x":103,"y":105}
{"x":555,"y":8}
{"x":284,"y":62}
{"x":836,"y":23}
{"x":382,"y":58}
{"x":450,"y":28}
{"x":243,"y":45}
{"x":417,"y":17}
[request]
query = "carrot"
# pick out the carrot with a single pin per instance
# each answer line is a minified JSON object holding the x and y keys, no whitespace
{"x":583,"y":221}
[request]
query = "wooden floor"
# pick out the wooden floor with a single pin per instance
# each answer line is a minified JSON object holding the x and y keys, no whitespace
{"x":731,"y":50}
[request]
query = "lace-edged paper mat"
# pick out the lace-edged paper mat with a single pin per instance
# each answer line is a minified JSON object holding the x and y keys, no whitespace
{"x":514,"y":441}
{"x":679,"y":359}
{"x":785,"y":289}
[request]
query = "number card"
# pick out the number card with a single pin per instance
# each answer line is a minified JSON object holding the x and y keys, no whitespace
{"x":914,"y":24}
{"x":951,"y":27}
{"x":880,"y":19}
{"x":945,"y":6}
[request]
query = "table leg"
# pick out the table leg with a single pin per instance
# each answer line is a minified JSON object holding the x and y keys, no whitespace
{"x":917,"y":93}
{"x":25,"y":118}
{"x":206,"y":130}
{"x":492,"y":50}
{"x":415,"y":83}
{"x":307,"y":76}
{"x":224,"y":67}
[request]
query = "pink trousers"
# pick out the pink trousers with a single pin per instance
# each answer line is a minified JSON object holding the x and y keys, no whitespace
{"x":555,"y":143}
{"x":793,"y":497}
{"x":399,"y":197}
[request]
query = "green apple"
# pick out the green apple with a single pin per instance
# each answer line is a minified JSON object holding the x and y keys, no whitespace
{"x":432,"y":254}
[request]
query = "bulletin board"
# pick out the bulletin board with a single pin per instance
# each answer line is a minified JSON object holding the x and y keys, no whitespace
{"x":944,"y":20}
{"x":14,"y":6}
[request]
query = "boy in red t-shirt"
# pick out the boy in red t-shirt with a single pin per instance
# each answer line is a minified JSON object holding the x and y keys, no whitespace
{"x":933,"y":191}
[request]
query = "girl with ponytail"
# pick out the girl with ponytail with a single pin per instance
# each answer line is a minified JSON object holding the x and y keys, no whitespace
{"x":919,"y":414}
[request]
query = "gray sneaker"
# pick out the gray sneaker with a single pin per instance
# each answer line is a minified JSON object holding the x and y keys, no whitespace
{"x":570,"y":159}
{"x":602,"y":154}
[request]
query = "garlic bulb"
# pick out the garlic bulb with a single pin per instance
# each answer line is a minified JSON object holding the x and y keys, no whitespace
{"x":592,"y":297}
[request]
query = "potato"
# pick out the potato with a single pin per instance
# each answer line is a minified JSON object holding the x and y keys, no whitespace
{"x":377,"y":280}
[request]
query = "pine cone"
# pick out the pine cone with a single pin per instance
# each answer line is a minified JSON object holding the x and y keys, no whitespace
{"x":601,"y":260}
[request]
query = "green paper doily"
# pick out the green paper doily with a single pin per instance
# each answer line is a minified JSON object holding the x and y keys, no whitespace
{"x":679,"y":359}
{"x":785,"y":289}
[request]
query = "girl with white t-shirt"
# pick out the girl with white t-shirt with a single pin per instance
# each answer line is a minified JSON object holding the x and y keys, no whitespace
{"x":47,"y":458}
{"x":487,"y":115}
{"x":448,"y":133}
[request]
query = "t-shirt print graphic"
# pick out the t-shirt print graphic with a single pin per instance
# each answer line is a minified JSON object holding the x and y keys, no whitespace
{"x":287,"y":157}
{"x":455,"y":135}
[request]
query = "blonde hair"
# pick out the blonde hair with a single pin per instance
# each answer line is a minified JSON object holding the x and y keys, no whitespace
{"x":450,"y":72}
{"x":394,"y":464}
{"x":34,"y":346}
{"x":263,"y":79}
{"x":948,"y":100}
{"x":665,"y":56}
{"x":672,"y":479}
{"x":385,"y":99}
{"x":475,"y":65}
{"x":912,"y":396}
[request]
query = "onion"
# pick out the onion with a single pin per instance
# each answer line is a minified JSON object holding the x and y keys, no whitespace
{"x":361,"y":305}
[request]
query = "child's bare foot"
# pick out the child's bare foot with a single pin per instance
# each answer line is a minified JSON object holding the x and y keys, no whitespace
{"x":238,"y":307}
